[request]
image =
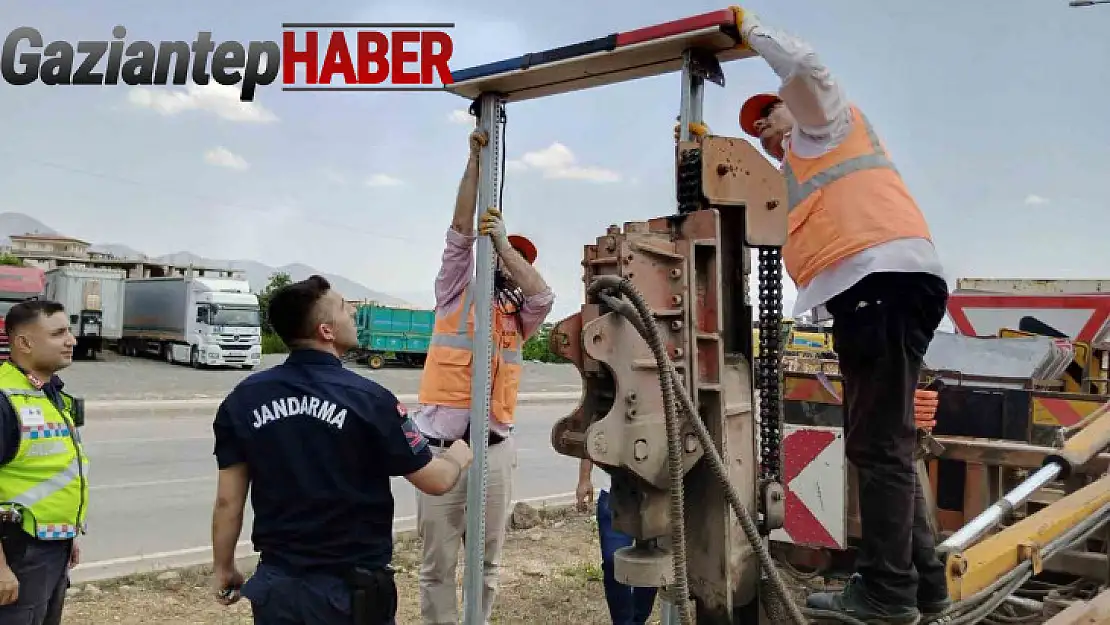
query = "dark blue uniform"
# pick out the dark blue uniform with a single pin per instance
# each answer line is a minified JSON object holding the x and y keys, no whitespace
{"x":321,"y":443}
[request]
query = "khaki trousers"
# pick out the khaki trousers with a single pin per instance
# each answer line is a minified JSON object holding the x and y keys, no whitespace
{"x":441,"y":522}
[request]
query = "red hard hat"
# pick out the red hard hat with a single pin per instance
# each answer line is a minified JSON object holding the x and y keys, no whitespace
{"x":525,"y":246}
{"x":752,"y":111}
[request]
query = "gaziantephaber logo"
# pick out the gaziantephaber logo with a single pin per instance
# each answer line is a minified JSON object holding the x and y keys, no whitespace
{"x":333,"y":57}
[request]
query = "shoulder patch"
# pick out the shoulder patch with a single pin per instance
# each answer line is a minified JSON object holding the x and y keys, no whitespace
{"x":401,"y":410}
{"x":415,"y":439}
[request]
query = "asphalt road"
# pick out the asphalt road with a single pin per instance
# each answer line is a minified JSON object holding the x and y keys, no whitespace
{"x":119,"y":377}
{"x":153,"y":482}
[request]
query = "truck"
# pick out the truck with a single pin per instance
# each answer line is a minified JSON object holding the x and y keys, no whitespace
{"x":93,"y":298}
{"x":17,"y":284}
{"x":206,"y":322}
{"x":394,"y":334}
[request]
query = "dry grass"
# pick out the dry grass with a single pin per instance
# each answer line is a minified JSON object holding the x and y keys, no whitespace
{"x":550,"y":572}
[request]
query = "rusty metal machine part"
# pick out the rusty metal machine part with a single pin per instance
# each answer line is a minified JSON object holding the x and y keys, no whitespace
{"x":692,"y":269}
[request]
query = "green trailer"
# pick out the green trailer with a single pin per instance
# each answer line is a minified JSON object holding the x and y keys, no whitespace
{"x":390,"y":334}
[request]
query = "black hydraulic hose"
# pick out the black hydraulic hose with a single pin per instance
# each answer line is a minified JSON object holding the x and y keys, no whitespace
{"x":671,"y":384}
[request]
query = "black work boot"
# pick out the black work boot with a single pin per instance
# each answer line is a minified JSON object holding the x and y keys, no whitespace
{"x":853,"y":602}
{"x":931,"y":610}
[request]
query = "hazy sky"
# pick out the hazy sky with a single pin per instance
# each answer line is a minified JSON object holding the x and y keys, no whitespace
{"x":994,"y":111}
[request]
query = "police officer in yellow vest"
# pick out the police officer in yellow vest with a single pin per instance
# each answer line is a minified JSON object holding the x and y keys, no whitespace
{"x":523,"y":302}
{"x":859,"y":250}
{"x":44,"y":490}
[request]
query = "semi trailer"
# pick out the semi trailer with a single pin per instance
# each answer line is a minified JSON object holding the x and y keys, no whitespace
{"x":17,"y":284}
{"x":206,"y":322}
{"x":93,"y":298}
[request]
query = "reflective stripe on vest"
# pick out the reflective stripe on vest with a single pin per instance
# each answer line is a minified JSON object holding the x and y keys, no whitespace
{"x":45,"y":483}
{"x":845,"y":201}
{"x":461,"y":339}
{"x":442,"y":384}
{"x":797,"y":193}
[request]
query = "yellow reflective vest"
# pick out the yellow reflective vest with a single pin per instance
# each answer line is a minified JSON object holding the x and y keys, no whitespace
{"x":46,"y":482}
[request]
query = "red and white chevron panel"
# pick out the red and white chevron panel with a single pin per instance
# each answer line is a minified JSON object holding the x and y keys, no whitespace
{"x":815,"y":472}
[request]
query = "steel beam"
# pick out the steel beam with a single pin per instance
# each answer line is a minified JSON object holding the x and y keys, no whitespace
{"x":490,"y":106}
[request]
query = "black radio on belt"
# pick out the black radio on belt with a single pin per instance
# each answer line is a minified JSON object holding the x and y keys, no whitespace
{"x":12,"y":536}
{"x":373,"y":595}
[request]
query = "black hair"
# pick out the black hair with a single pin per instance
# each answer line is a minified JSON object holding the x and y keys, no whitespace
{"x":292,"y":310}
{"x":28,"y":312}
{"x":510,"y":299}
{"x":770,"y":107}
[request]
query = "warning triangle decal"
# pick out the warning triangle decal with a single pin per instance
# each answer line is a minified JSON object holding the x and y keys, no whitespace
{"x":1076,"y":317}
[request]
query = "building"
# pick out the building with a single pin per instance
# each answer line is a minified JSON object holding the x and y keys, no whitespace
{"x":33,"y":245}
{"x":49,"y":251}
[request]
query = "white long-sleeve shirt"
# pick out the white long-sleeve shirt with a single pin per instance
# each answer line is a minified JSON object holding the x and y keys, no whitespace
{"x":823,"y":118}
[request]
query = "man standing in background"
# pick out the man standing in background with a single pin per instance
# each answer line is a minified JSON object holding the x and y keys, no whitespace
{"x":628,"y":605}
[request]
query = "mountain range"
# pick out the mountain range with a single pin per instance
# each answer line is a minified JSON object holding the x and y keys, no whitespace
{"x":258,"y":274}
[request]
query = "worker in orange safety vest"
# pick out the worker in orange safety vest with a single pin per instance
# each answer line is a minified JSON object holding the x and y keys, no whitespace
{"x":859,"y":250}
{"x":522,"y":302}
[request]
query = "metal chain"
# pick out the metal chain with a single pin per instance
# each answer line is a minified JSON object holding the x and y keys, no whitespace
{"x":769,"y":376}
{"x":769,"y":366}
{"x":689,"y":181}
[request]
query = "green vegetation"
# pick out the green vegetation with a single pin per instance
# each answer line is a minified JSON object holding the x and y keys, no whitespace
{"x":10,"y":260}
{"x":271,"y":344}
{"x":537,"y":348}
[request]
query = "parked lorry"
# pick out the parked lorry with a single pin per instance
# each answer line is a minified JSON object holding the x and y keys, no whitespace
{"x":201,"y":321}
{"x":387,"y":333}
{"x":93,"y":298}
{"x":17,"y":284}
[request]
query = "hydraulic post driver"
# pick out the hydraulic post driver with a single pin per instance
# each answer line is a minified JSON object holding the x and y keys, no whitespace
{"x":664,"y":340}
{"x":674,"y":406}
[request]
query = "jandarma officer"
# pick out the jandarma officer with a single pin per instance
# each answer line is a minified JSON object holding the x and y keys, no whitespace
{"x":317,"y":445}
{"x":44,"y":491}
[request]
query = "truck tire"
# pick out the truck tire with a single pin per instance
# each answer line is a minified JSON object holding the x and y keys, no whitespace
{"x":375,"y":361}
{"x":167,"y":352}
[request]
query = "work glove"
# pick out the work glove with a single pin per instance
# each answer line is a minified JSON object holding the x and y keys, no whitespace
{"x":493,"y":226}
{"x":478,"y":139}
{"x":925,"y":405}
{"x":746,"y":21}
{"x":697,"y":129}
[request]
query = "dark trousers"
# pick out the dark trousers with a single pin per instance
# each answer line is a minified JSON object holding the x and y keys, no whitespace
{"x":279,"y":597}
{"x":42,"y":568}
{"x":881,"y":329}
{"x":627,"y":605}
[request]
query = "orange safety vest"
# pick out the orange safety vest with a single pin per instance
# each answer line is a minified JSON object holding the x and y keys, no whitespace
{"x":845,"y":201}
{"x":448,"y":373}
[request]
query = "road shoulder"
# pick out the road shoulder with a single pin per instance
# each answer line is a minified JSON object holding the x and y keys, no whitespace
{"x":550,"y":568}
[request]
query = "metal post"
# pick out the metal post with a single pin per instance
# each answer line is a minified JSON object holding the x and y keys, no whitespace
{"x":690,"y":112}
{"x":693,"y":95}
{"x":489,"y":161}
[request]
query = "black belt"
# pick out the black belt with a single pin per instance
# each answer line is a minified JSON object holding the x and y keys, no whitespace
{"x":494,"y":439}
